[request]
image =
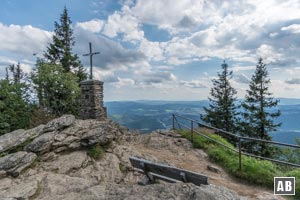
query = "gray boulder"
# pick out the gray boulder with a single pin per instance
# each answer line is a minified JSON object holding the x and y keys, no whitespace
{"x":69,"y":134}
{"x":100,"y":135}
{"x":13,"y":139}
{"x":59,"y":123}
{"x":13,"y":164}
{"x":41,"y":143}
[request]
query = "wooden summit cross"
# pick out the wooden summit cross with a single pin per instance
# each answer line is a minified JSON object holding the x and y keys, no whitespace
{"x":91,"y":59}
{"x":91,"y":98}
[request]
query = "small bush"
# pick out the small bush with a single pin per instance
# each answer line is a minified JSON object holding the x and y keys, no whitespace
{"x":96,"y":152}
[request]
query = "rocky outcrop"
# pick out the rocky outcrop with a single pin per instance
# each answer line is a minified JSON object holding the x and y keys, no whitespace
{"x":59,"y":123}
{"x":53,"y":161}
{"x":62,"y":134}
{"x":66,"y":133}
{"x":13,"y":164}
{"x":12,"y":140}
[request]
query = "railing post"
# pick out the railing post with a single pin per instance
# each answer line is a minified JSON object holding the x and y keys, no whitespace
{"x":240,"y":154}
{"x":192,"y":132}
{"x":173,"y":121}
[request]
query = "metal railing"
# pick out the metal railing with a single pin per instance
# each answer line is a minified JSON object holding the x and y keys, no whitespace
{"x":239,"y":139}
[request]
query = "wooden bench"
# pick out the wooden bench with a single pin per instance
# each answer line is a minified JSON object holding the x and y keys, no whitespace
{"x":166,"y":173}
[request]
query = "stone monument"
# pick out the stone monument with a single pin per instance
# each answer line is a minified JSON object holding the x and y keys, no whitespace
{"x":92,"y":95}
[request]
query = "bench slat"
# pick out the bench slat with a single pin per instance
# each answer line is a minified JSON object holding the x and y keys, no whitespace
{"x":168,"y":171}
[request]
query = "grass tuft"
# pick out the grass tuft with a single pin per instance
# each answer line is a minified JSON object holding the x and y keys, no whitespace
{"x":96,"y":152}
{"x":123,"y":168}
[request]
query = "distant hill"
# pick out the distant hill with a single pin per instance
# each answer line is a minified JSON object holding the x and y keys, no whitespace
{"x":147,"y":116}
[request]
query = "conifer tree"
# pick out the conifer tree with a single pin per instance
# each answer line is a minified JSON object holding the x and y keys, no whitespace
{"x":221,"y":112}
{"x":15,"y":106}
{"x":17,"y":73}
{"x":258,"y":113}
{"x":60,"y":50}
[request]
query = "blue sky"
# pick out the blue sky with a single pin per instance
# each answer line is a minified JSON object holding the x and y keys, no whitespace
{"x":163,"y":50}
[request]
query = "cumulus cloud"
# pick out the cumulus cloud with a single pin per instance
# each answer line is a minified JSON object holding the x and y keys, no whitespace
{"x":193,"y":84}
{"x":23,"y":40}
{"x":112,"y":54}
{"x":18,"y":43}
{"x":152,"y":50}
{"x":122,"y":82}
{"x":294,"y":81}
{"x":186,"y":22}
{"x":198,"y":31}
{"x":124,"y":23}
{"x":159,"y":77}
{"x":294,"y":28}
{"x":238,"y":68}
{"x":240,"y":31}
{"x":149,"y":77}
{"x":94,"y":25}
{"x":241,"y":78}
{"x":106,"y":75}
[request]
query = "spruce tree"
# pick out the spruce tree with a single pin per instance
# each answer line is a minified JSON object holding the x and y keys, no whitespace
{"x":258,"y":111}
{"x":60,"y":50}
{"x":15,"y":105}
{"x":17,"y":73}
{"x":221,"y":112}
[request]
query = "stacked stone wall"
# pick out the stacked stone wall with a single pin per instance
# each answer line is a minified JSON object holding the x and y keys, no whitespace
{"x":92,"y":100}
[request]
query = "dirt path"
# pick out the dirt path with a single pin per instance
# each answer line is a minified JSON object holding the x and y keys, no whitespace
{"x":178,"y":152}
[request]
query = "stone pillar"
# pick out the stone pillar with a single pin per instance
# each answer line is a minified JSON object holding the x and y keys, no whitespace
{"x":92,"y":100}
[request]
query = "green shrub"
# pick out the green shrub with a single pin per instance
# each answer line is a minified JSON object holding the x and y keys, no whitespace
{"x":96,"y":152}
{"x":202,"y":142}
{"x":258,"y":171}
{"x":253,"y":170}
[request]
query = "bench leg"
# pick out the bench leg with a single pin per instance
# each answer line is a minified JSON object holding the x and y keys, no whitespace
{"x":144,"y":181}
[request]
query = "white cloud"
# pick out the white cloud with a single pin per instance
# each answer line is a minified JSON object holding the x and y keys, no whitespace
{"x":162,"y":13}
{"x":112,"y":54}
{"x":123,"y":22}
{"x":198,"y":31}
{"x":269,"y":54}
{"x":294,"y":81}
{"x":123,"y":82}
{"x":241,"y":78}
{"x":232,"y":30}
{"x":23,"y":40}
{"x":95,"y":25}
{"x":193,"y":84}
{"x":152,"y":50}
{"x":151,"y":76}
{"x":294,"y":28}
{"x":106,"y":76}
{"x":238,"y":68}
{"x":164,"y":67}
